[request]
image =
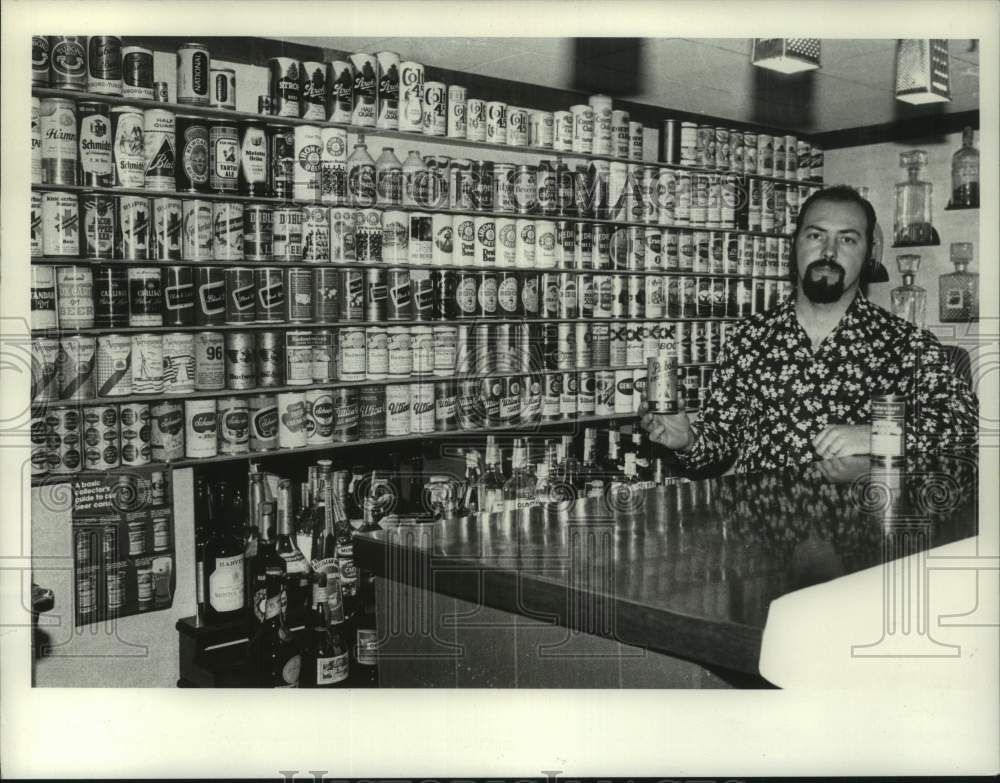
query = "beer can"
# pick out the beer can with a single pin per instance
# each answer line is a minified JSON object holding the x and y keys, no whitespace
{"x":888,"y":429}
{"x":114,"y":365}
{"x":399,"y":348}
{"x":269,"y":358}
{"x":210,"y":295}
{"x":40,"y":61}
{"x":395,"y":237}
{"x":485,"y":241}
{"x":551,"y":409}
{"x":562,"y":131}
{"x":421,"y":237}
{"x":445,"y":407}
{"x":241,"y":366}
{"x":283,"y":86}
{"x":352,"y":295}
{"x":368,"y":235}
{"x":95,"y":153}
{"x":422,"y":294}
{"x":319,"y":417}
{"x":292,"y":420}
{"x":233,"y":421}
{"x":445,"y":349}
{"x":227,"y":230}
{"x":37,"y":247}
{"x":540,"y":129}
{"x":43,"y":298}
{"x":321,"y":302}
{"x":223,"y":88}
{"x":635,"y":141}
{"x":241,"y":295}
{"x":422,"y":342}
{"x":258,"y":241}
{"x":421,"y":408}
{"x":167,"y":224}
{"x":333,"y":166}
{"x":194,"y":74}
{"x":397,"y":409}
{"x":137,"y":73}
{"x":60,"y":224}
{"x":505,"y":242}
{"x":178,"y":363}
{"x":411,"y":94}
{"x":65,"y":447}
{"x":298,"y":358}
{"x":263,"y":411}
{"x":59,"y":141}
{"x":75,"y":297}
{"x":586,"y":388}
{"x":312,"y":90}
{"x":209,"y":361}
{"x":166,"y":425}
{"x":517,"y":126}
{"x":496,"y":122}
{"x":198,"y":228}
{"x":371,"y":412}
{"x":352,"y":351}
{"x":136,"y":448}
{"x":376,"y":353}
{"x":583,"y":128}
{"x":387,"y":110}
{"x":504,"y":198}
{"x":340,"y":82}
{"x":281,"y":156}
{"x":145,"y":296}
{"x":269,"y":305}
{"x":765,"y":154}
{"x":308,"y":140}
{"x":568,"y":395}
{"x":286,"y":234}
{"x":100,"y":440}
{"x":365,"y":67}
{"x":160,"y":149}
{"x":399,"y":304}
{"x":75,"y":368}
{"x":624,"y":388}
{"x":634,"y":343}
{"x":345,"y":415}
{"x":604,"y":393}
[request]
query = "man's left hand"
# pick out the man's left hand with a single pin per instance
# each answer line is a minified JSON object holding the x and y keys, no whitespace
{"x":843,"y":440}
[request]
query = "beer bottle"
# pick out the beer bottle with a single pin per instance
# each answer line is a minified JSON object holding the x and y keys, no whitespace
{"x":324,"y":547}
{"x":277,"y":658}
{"x":493,"y":478}
{"x":361,"y":176}
{"x":471,"y":502}
{"x":366,"y":638}
{"x":297,"y":568}
{"x":267,"y":558}
{"x":223,"y":582}
{"x":327,"y":664}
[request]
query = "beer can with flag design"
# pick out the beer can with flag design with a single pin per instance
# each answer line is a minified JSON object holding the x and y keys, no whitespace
{"x":178,"y":363}
{"x":101,"y":437}
{"x":166,"y":437}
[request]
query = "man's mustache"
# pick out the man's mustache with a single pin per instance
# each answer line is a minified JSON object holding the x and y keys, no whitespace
{"x":820,"y":263}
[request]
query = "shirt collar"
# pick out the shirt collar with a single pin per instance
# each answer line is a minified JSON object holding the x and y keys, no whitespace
{"x":859,"y":319}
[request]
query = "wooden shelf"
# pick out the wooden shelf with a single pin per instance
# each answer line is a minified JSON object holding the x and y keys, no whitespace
{"x":62,"y":478}
{"x":268,"y":119}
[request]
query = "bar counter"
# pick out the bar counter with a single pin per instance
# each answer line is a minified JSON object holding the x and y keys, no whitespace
{"x":658,"y":587}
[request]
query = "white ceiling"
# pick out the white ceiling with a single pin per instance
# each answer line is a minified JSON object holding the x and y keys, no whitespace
{"x":853,"y":88}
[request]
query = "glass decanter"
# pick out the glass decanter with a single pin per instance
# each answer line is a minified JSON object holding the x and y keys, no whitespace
{"x":914,"y":202}
{"x":909,"y":301}
{"x":958,"y":292}
{"x":965,"y":173}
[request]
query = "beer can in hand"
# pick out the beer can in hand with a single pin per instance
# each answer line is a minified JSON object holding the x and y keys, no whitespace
{"x":661,"y":382}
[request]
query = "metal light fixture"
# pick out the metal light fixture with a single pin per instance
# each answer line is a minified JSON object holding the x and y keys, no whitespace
{"x":786,"y":55}
{"x":922,"y":70}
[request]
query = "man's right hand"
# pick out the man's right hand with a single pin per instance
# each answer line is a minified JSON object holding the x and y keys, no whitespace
{"x":671,"y":430}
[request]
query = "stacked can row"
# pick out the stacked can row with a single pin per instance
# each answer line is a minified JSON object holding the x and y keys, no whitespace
{"x":69,"y":439}
{"x":69,"y":298}
{"x":740,"y":151}
{"x":121,"y":365}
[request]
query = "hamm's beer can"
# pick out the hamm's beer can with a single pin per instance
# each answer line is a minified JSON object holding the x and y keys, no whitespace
{"x":59,"y":148}
{"x":661,"y":382}
{"x":365,"y":88}
{"x":166,"y":431}
{"x":101,"y":438}
{"x":178,"y":363}
{"x":292,"y":420}
{"x":201,"y":439}
{"x":387,"y":113}
{"x":233,"y":420}
{"x":345,"y":415}
{"x":263,"y":409}
{"x":114,"y":365}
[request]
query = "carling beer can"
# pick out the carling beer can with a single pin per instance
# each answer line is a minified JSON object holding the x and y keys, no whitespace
{"x":168,"y":220}
{"x":159,"y":149}
{"x":209,"y":361}
{"x":145,"y":296}
{"x":178,"y":363}
{"x":100,"y":437}
{"x":241,"y":299}
{"x":114,"y":365}
{"x":340,"y":81}
{"x":263,"y":410}
{"x":147,"y":364}
{"x":137,"y":73}
{"x":308,"y":155}
{"x":135,"y":434}
{"x":44,"y":369}
{"x":286,"y":234}
{"x":496,"y":122}
{"x":270,"y":298}
{"x":60,"y":224}
{"x":540,"y":129}
{"x":194,"y":72}
{"x":166,"y":438}
{"x":312,"y":90}
{"x":387,"y":111}
{"x":241,"y":367}
{"x":284,"y":87}
{"x":269,"y":357}
{"x":292,"y":420}
{"x":75,"y":367}
{"x":319,"y":417}
{"x":365,"y":68}
{"x":75,"y":297}
{"x":223,"y":88}
{"x":345,"y":415}
{"x":210,"y":295}
{"x":227,"y":230}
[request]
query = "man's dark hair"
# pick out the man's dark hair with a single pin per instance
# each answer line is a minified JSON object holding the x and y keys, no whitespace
{"x":843,"y":194}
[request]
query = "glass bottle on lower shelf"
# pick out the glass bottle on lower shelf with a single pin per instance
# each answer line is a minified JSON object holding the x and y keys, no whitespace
{"x":909,"y":301}
{"x":366,"y":637}
{"x":965,"y":174}
{"x":328,"y":664}
{"x":958,"y":291}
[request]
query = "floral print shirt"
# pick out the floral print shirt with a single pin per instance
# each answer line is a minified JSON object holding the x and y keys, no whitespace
{"x":771,"y":395}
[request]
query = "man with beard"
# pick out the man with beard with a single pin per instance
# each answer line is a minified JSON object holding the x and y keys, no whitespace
{"x":794,"y":385}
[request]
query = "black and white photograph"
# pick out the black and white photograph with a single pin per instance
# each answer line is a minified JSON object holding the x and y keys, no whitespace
{"x":569,"y":389}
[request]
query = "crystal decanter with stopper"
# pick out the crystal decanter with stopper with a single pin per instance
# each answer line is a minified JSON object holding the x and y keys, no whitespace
{"x":909,"y":301}
{"x":914,"y":202}
{"x":958,"y":291}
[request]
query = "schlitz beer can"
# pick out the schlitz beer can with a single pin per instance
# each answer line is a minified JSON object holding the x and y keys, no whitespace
{"x":233,"y":421}
{"x":67,"y":62}
{"x":319,"y":417}
{"x":269,"y":357}
{"x":194,"y":73}
{"x":75,"y":297}
{"x":96,"y":153}
{"x":145,"y":296}
{"x":193,"y":154}
{"x":136,"y":449}
{"x":352,"y":354}
{"x":178,"y":363}
{"x":210,"y":295}
{"x":166,"y":438}
{"x":241,"y":365}
{"x":223,"y":88}
{"x":200,"y":429}
{"x":286,"y":234}
{"x":209,"y":361}
{"x":59,"y":137}
{"x":283,"y":86}
{"x":197,"y":229}
{"x":137,"y":73}
{"x":100,"y":437}
{"x":159,"y":148}
{"x":114,"y":365}
{"x":292,"y":420}
{"x":147,"y":364}
{"x":75,"y":367}
{"x":496,"y":122}
{"x":241,"y":296}
{"x":263,"y":410}
{"x":40,"y":61}
{"x":270,"y":297}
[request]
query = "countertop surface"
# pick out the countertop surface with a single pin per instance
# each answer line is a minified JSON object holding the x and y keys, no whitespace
{"x":686,"y":568}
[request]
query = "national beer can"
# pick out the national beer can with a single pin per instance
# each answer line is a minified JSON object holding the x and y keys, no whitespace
{"x":233,"y":420}
{"x":241,"y":366}
{"x":145,"y":296}
{"x":60,"y":224}
{"x":100,"y":437}
{"x":345,"y":415}
{"x":194,"y":73}
{"x":209,"y":361}
{"x":75,"y":297}
{"x":178,"y":363}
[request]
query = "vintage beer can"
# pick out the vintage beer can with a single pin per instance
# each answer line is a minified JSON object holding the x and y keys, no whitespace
{"x":397,"y":409}
{"x":40,"y":61}
{"x":43,"y":298}
{"x":345,"y":415}
{"x":159,"y":149}
{"x":312,"y":90}
{"x":98,"y":226}
{"x":292,"y":420}
{"x":241,"y":365}
{"x":209,"y":361}
{"x":100,"y":439}
{"x":178,"y":363}
{"x":298,"y":357}
{"x":352,"y":352}
{"x":258,"y":239}
{"x":365,"y":67}
{"x":368,"y":235}
{"x":352,"y":296}
{"x":308,"y":140}
{"x":165,"y":244}
{"x":136,"y":434}
{"x":137,"y":73}
{"x":233,"y":421}
{"x":227,"y":230}
{"x":422,"y":343}
{"x":114,"y":365}
{"x":286,"y":234}
{"x":283,"y":86}
{"x":128,"y":147}
{"x":281,"y":156}
{"x":340,"y":81}
{"x":95,"y":154}
{"x":635,"y":141}
{"x":75,"y":297}
{"x":223,"y":88}
{"x":387,"y":110}
{"x":241,"y":295}
{"x":166,"y":424}
{"x":44,"y":369}
{"x":67,"y":62}
{"x":376,"y":353}
{"x":145,"y":296}
{"x":445,"y":407}
{"x":319,"y":417}
{"x":411,"y":95}
{"x":269,"y":358}
{"x":263,"y":412}
{"x":421,"y":408}
{"x":269,"y":306}
{"x":517,"y":126}
{"x":210,"y":295}
{"x":133,"y":228}
{"x":75,"y":368}
{"x":323,"y":298}
{"x":64,"y":444}
{"x":496,"y":122}
{"x":399,"y":348}
{"x":661,"y":383}
{"x":194,"y":73}
{"x":36,"y":242}
{"x":371,"y":412}
{"x":540,"y":129}
{"x":583,"y":128}
{"x":60,"y":224}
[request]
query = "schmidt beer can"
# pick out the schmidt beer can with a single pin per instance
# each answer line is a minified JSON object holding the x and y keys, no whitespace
{"x":95,"y":146}
{"x":233,"y":420}
{"x":263,"y":411}
{"x":166,"y":438}
{"x":241,"y":366}
{"x":209,"y":361}
{"x":200,"y":429}
{"x":319,"y":417}
{"x":178,"y":363}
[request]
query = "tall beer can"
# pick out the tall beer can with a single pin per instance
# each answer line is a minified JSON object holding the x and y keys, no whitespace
{"x":635,"y":141}
{"x":312,"y":91}
{"x":457,"y":124}
{"x":160,"y":148}
{"x":306,"y":178}
{"x":59,"y":146}
{"x":340,"y":80}
{"x":365,"y":89}
{"x":601,"y":106}
{"x":411,"y":96}
{"x":387,"y":114}
{"x":517,"y":126}
{"x":284,"y":87}
{"x":40,"y":61}
{"x":96,"y":154}
{"x":583,"y":128}
{"x":562,"y":131}
{"x":540,"y":129}
{"x":315,"y":234}
{"x":281,"y":156}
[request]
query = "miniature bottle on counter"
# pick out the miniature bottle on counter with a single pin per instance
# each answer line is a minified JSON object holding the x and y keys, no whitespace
{"x":493,"y":478}
{"x":965,"y":173}
{"x":914,"y":202}
{"x":958,"y":292}
{"x":519,"y":490}
{"x":909,"y":301}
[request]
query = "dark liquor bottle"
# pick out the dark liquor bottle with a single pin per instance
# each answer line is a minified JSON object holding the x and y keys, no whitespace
{"x":263,"y":589}
{"x":276,"y":655}
{"x":366,"y":638}
{"x":223,"y":581}
{"x":298,"y":585}
{"x":644,"y":470}
{"x":251,"y":533}
{"x":327,"y":664}
{"x":324,"y":546}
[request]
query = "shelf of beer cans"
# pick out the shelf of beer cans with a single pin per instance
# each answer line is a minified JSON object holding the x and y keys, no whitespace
{"x":231,"y":115}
